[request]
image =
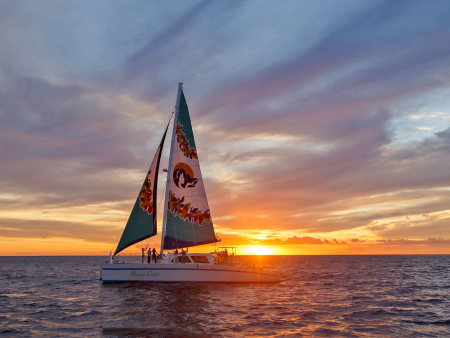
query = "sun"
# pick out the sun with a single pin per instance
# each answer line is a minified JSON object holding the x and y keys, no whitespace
{"x":258,"y":250}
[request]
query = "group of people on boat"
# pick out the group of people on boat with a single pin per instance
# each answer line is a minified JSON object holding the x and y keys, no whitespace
{"x":151,"y":254}
{"x":183,"y":256}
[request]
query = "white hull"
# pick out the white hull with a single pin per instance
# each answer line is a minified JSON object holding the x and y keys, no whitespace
{"x":111,"y":273}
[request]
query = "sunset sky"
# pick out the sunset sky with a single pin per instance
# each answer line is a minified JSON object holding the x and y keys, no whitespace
{"x":322,"y":127}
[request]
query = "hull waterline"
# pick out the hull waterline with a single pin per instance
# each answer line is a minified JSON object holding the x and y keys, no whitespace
{"x":113,"y":273}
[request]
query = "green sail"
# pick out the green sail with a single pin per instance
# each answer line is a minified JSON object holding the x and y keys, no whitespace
{"x":188,"y":220}
{"x":142,"y":222}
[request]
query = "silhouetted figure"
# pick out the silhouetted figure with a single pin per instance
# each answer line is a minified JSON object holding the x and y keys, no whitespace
{"x":149,"y":254}
{"x":183,"y":255}
{"x":143,"y":255}
{"x":154,"y":255}
{"x":176,"y":256}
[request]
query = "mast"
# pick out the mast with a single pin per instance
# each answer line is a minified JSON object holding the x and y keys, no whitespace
{"x":177,"y":109}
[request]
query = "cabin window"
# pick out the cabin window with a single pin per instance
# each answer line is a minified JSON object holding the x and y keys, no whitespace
{"x":180,"y":260}
{"x":200,"y":259}
{"x":186,"y":259}
{"x":223,"y":259}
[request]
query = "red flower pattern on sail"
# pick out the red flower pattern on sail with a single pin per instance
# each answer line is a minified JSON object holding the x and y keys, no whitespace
{"x":188,"y":151}
{"x":145,"y":196}
{"x":193,"y":215}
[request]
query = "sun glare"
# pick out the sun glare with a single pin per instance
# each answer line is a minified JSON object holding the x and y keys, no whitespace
{"x":258,"y":250}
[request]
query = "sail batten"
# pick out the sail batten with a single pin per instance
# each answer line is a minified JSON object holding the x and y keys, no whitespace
{"x":188,"y":220}
{"x":142,"y":223}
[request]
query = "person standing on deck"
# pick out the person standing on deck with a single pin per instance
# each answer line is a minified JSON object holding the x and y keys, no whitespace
{"x":149,"y":253}
{"x":143,"y":255}
{"x":183,"y":255}
{"x":154,"y":255}
{"x":176,"y":256}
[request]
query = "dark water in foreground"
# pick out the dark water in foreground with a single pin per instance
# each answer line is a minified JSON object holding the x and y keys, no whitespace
{"x":319,"y":296}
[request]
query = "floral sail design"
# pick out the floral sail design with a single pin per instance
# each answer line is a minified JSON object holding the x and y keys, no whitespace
{"x":188,"y":221}
{"x":142,"y":221}
{"x":146,"y":194}
{"x":185,"y":211}
{"x":184,"y":143}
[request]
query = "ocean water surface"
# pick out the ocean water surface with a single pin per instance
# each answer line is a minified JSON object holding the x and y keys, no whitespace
{"x":319,"y":296}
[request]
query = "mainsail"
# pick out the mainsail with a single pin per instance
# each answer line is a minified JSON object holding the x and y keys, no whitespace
{"x":142,"y":221}
{"x":188,"y":220}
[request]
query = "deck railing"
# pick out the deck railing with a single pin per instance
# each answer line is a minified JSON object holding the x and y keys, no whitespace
{"x":130,"y":258}
{"x":229,"y":259}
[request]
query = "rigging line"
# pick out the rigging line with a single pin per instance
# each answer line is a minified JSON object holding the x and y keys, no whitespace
{"x":158,"y":209}
{"x":175,"y":228}
{"x":190,"y":199}
{"x":167,"y":183}
{"x":115,"y":241}
{"x":159,"y":205}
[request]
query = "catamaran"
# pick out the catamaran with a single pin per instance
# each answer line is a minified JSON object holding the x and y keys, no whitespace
{"x":187,"y":221}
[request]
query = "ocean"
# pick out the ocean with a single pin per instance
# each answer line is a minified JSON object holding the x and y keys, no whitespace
{"x":319,"y":296}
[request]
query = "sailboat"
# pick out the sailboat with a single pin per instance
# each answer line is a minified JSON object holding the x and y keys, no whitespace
{"x":187,"y":221}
